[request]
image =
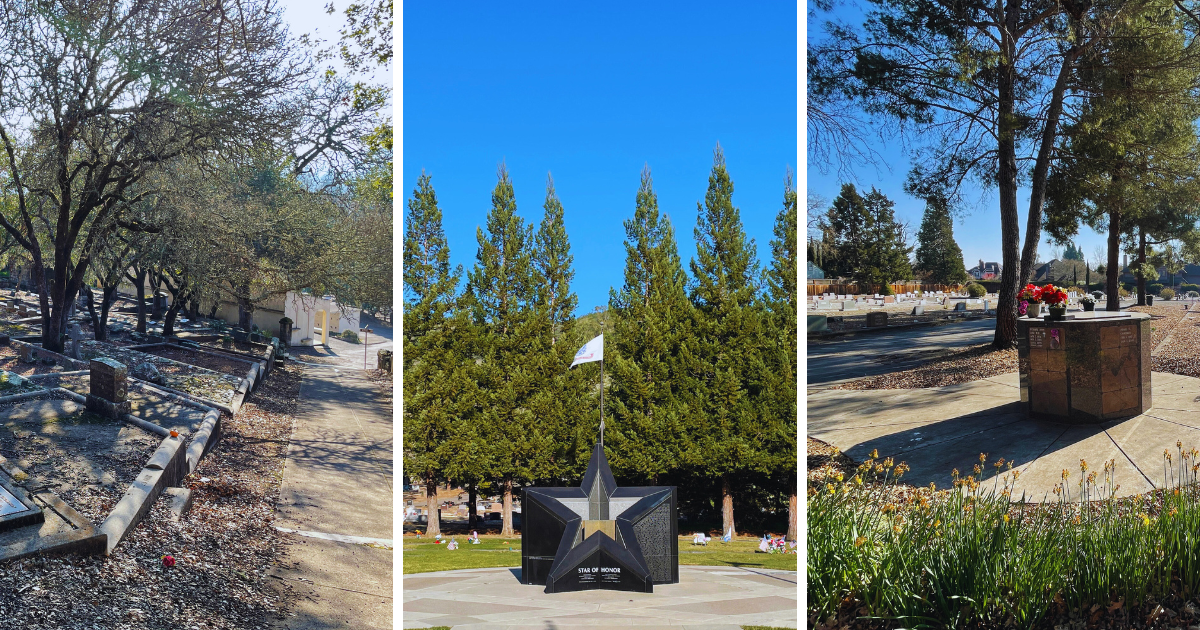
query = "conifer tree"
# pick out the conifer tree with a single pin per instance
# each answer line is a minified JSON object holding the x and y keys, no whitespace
{"x":650,"y":319}
{"x":430,"y":351}
{"x":725,"y":430}
{"x":500,"y":289}
{"x":780,"y":354}
{"x":562,"y":404}
{"x":938,"y":256}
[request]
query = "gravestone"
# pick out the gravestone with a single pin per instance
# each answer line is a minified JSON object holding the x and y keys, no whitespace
{"x":27,"y":353}
{"x":918,"y":310}
{"x":109,"y":388}
{"x":889,"y":299}
{"x":877,"y":319}
{"x":599,"y":536}
{"x":385,"y":360}
{"x":818,"y":323}
{"x":16,"y":509}
{"x":76,"y":335}
{"x":960,"y":306}
{"x":849,"y":305}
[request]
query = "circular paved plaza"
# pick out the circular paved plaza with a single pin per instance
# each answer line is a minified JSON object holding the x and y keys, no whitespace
{"x":709,"y":598}
{"x":939,"y":429}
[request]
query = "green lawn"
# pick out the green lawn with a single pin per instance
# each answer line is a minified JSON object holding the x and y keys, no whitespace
{"x":422,"y":556}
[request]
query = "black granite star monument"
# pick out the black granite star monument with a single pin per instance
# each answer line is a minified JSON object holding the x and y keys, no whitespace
{"x":599,"y":536}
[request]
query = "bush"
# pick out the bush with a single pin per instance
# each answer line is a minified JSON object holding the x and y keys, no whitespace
{"x":349,"y":335}
{"x":1122,"y":291}
{"x":1154,"y":288}
{"x":1186,"y":288}
{"x":886,"y":289}
{"x":976,"y":290}
{"x":1166,"y":294}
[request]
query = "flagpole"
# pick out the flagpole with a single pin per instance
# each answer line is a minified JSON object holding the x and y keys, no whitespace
{"x":602,"y":400}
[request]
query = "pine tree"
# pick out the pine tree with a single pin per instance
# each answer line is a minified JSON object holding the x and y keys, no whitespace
{"x":725,"y":430}
{"x":431,"y":401}
{"x":500,"y":288}
{"x":650,"y":318}
{"x":561,"y":403}
{"x":780,"y":353}
{"x":938,"y":256}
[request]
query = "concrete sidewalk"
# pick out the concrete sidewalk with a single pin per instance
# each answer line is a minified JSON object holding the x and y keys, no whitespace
{"x":337,"y":496}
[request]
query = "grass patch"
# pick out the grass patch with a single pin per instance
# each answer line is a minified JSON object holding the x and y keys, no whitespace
{"x":423,"y":556}
{"x":879,"y":551}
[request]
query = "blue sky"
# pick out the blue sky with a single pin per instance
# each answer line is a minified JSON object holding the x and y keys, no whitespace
{"x":590,"y":94}
{"x":977,"y":229}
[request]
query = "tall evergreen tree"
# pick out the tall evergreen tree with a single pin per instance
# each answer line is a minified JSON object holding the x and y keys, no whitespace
{"x":651,"y":317}
{"x":561,"y":403}
{"x":500,"y":288}
{"x":430,"y":352}
{"x":938,"y":256}
{"x":780,"y":353}
{"x":725,"y":430}
{"x":869,"y":242}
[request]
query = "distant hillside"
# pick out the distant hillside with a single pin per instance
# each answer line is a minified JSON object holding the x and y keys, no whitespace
{"x":589,"y":325}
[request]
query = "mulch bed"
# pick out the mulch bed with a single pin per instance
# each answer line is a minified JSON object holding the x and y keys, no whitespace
{"x":215,"y":363}
{"x":955,"y":366}
{"x":225,"y":546}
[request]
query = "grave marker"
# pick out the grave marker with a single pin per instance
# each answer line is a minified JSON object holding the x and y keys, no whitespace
{"x":109,"y":388}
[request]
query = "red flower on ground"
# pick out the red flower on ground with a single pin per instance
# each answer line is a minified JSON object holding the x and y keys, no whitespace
{"x":168,"y":561}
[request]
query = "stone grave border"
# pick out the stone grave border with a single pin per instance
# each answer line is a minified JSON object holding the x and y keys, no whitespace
{"x":85,"y":539}
{"x":259,"y":368}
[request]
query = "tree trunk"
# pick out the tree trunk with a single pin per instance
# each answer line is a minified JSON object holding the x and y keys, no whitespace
{"x":155,"y":308}
{"x":107,"y":298}
{"x":91,"y":306}
{"x":472,"y":495}
{"x":1114,"y":269}
{"x":506,"y":529}
{"x":1141,"y":259}
{"x":1010,"y":229}
{"x":246,"y":313}
{"x":169,"y":321}
{"x":434,"y":527}
{"x":793,"y":533}
{"x":140,"y":286}
{"x":726,"y":508}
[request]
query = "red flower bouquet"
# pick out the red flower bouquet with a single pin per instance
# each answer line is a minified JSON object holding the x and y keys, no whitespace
{"x":1030,"y":294}
{"x":1053,"y":295}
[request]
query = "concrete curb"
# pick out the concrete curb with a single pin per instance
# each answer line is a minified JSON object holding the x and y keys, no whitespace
{"x":61,"y":359}
{"x":33,"y":394}
{"x":203,"y":440}
{"x":166,"y":468}
{"x":57,"y":374}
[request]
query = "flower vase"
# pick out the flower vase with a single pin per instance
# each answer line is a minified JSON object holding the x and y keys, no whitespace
{"x":1035,"y":310}
{"x":1089,"y":306}
{"x":1058,"y":312}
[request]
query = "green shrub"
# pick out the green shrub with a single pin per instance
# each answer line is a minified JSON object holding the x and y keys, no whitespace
{"x":1167,"y":294}
{"x":976,"y":290}
{"x":1185,"y":287}
{"x":886,"y":289}
{"x":1122,"y":291}
{"x":349,"y":335}
{"x":1154,"y":288}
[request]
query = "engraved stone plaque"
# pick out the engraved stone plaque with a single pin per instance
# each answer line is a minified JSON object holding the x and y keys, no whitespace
{"x":1128,"y":336}
{"x":9,"y":504}
{"x":1037,"y":338}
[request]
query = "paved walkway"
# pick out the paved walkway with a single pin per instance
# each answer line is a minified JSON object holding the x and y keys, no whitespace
{"x":350,"y":355}
{"x":851,"y":357}
{"x":712,"y":598}
{"x":337,"y":494}
{"x":938,"y":429}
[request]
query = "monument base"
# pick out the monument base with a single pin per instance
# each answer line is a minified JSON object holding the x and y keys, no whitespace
{"x":108,"y":408}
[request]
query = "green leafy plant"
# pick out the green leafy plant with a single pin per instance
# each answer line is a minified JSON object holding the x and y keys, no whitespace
{"x":976,"y":290}
{"x":1167,"y":294}
{"x":349,"y":335}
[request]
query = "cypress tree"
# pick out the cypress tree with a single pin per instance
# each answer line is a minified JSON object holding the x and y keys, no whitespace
{"x":500,"y":288}
{"x":869,"y":241}
{"x":938,"y":256}
{"x":780,"y":353}
{"x":724,"y":426}
{"x":650,"y":317}
{"x":430,"y":352}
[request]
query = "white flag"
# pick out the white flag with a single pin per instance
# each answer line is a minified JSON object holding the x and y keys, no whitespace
{"x":593,"y":351}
